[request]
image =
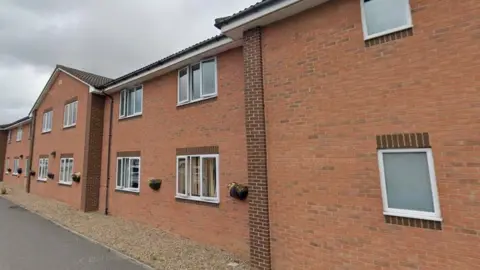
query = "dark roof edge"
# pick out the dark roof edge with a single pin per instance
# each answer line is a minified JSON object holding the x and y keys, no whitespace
{"x":163,"y":61}
{"x":6,"y":126}
{"x":220,"y":22}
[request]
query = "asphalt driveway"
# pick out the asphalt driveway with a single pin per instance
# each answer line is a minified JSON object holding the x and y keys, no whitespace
{"x":30,"y":242}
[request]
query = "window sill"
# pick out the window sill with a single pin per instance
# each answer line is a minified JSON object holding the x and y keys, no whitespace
{"x":412,"y":216}
{"x":190,"y":198}
{"x":65,"y":184}
{"x":46,"y":132}
{"x":387,"y":32}
{"x":69,"y":127}
{"x":128,"y":191}
{"x":130,"y":117}
{"x":18,"y":140}
{"x":197,"y":101}
{"x":41,"y":180}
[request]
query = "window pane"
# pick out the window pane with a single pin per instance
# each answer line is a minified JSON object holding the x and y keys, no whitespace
{"x":131,"y":102}
{"x":196,"y":82}
{"x":138,"y":100}
{"x":408,"y":181}
{"x":62,"y":170}
{"x":383,"y":15}
{"x":135,"y":173}
{"x":183,"y":85}
{"x":122,"y":103}
{"x":45,"y":168}
{"x":119,"y":172}
{"x":209,"y":181}
{"x":65,"y":115}
{"x":195,"y":176}
{"x":181,"y":171}
{"x":208,"y":77}
{"x":74,"y":113}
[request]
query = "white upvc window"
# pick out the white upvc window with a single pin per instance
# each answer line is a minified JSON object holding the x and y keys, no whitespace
{"x":47,"y":121}
{"x":27,"y":167}
{"x":16,"y":165}
{"x":19,"y":133}
{"x":131,"y":102}
{"x":197,"y":82}
{"x":128,"y":174}
{"x":7,"y":165}
{"x":409,"y":186}
{"x":382,"y":17}
{"x":43,"y":169}
{"x":66,"y":171}
{"x":70,"y":114}
{"x":197,"y":178}
{"x":9,"y":138}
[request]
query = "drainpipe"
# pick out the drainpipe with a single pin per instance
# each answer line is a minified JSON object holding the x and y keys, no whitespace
{"x":108,"y":151}
{"x":30,"y":156}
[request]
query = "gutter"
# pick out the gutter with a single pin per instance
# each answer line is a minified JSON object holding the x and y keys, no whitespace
{"x":109,"y":150}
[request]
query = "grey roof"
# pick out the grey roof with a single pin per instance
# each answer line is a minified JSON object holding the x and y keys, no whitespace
{"x":90,"y":78}
{"x":219,"y":22}
{"x":163,"y":61}
{"x":15,"y":122}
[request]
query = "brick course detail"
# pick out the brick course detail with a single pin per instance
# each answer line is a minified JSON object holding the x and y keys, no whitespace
{"x":256,"y":150}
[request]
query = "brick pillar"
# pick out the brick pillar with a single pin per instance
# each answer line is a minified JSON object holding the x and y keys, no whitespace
{"x":259,"y":224}
{"x":93,"y":154}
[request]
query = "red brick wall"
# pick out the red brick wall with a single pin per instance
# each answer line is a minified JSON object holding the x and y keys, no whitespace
{"x":3,"y":151}
{"x":159,"y":132}
{"x":62,"y":141}
{"x":327,"y":96}
{"x":16,"y":149}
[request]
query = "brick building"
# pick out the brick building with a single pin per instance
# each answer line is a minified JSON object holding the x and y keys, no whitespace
{"x":352,"y":123}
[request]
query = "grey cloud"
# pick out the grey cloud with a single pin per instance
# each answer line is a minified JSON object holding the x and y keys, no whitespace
{"x":108,"y":37}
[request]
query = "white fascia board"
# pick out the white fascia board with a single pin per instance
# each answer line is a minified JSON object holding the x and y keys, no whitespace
{"x":17,"y":124}
{"x":176,"y":63}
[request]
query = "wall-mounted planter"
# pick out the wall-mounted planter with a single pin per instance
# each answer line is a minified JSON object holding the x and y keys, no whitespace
{"x":19,"y":170}
{"x":9,"y":170}
{"x":32,"y":173}
{"x":155,"y":184}
{"x":51,"y":175}
{"x":238,"y":191}
{"x":53,"y":154}
{"x":21,"y":156}
{"x":76,"y":177}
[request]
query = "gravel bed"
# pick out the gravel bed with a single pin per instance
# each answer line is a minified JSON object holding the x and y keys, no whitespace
{"x":154,"y":247}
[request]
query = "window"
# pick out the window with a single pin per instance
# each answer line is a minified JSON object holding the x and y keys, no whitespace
{"x":128,"y":174}
{"x":16,"y":165}
{"x":197,"y":82}
{"x":409,"y":187}
{"x":19,"y":133}
{"x":7,"y":165}
{"x":47,"y":121}
{"x":9,"y":138}
{"x":70,"y":114}
{"x":66,"y":171}
{"x":27,"y":167}
{"x":43,"y":169}
{"x":131,"y":102}
{"x":381,"y":17}
{"x":197,"y":177}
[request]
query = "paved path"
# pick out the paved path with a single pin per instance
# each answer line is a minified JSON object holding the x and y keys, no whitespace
{"x":29,"y":242}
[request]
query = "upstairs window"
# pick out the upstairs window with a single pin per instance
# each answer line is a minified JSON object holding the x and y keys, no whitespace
{"x":47,"y":121}
{"x":382,"y":17}
{"x":197,"y":82}
{"x":9,"y":138}
{"x":131,"y":102}
{"x":197,"y":178}
{"x":70,"y":114}
{"x":128,"y":174}
{"x":19,"y":133}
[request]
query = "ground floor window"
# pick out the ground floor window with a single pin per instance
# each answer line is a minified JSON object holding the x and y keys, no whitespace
{"x":128,"y":173}
{"x":16,"y":165}
{"x":66,"y":170}
{"x":197,"y":177}
{"x":43,"y":169}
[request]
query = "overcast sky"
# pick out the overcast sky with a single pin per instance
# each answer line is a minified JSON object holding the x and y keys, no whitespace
{"x":106,"y":37}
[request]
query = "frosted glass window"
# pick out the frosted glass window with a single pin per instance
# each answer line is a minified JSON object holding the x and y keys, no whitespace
{"x":385,"y":16}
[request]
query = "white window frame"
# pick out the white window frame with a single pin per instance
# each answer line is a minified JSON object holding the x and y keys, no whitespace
{"x":187,"y":196}
{"x":69,"y":109}
{"x":19,"y":134}
{"x":366,"y":36}
{"x":436,"y":215}
{"x":43,"y":169}
{"x":47,"y":122}
{"x":117,"y":187}
{"x":189,"y":91}
{"x":65,"y":178}
{"x":7,"y":164}
{"x":123,"y":95}
{"x":27,"y":167}
{"x":16,"y":165}
{"x":9,"y":138}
